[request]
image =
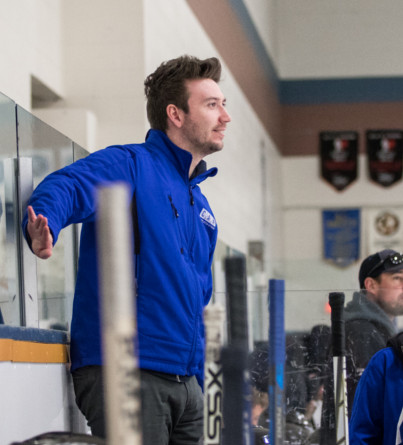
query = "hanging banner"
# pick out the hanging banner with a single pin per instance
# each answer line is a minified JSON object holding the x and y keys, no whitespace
{"x":341,"y":236}
{"x":384,"y":229}
{"x":385,"y":152}
{"x":339,"y":157}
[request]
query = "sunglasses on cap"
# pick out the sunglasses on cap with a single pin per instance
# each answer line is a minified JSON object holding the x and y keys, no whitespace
{"x":393,"y":260}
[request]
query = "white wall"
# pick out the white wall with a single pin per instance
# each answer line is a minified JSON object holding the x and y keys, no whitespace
{"x":30,"y":37}
{"x":339,"y":39}
{"x":89,"y":53}
{"x":104,"y":66}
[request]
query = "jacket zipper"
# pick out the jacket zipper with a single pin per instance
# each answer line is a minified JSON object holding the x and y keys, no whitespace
{"x":192,"y":201}
{"x":193,"y":217}
{"x":176,"y":214}
{"x":198,"y":304}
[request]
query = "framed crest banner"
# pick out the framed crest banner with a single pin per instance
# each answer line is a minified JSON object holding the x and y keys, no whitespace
{"x":385,"y":155}
{"x":341,"y":236}
{"x":339,"y":157}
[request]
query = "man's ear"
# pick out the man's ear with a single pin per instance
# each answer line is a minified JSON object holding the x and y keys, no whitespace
{"x":370,"y":284}
{"x":175,"y":115}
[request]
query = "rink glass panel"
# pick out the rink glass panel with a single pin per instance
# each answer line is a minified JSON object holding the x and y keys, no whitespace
{"x":9,"y":292}
{"x":307,"y":338}
{"x":49,"y":150}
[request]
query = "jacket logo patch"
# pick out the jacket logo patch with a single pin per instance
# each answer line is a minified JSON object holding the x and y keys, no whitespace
{"x":208,"y":218}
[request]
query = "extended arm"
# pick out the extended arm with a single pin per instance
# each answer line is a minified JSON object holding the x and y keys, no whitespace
{"x":68,"y":196}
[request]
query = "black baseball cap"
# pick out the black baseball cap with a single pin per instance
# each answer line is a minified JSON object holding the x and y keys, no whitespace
{"x":387,"y":260}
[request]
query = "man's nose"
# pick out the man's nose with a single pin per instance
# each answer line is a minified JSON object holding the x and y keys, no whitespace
{"x":225,"y":116}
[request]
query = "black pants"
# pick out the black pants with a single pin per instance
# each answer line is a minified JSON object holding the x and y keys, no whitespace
{"x":172,"y":410}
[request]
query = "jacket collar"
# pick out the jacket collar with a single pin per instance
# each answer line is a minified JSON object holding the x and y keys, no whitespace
{"x":396,"y":343}
{"x":158,"y":141}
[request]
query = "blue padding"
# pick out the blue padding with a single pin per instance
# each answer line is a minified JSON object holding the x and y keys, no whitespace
{"x":276,"y":323}
{"x":33,"y":334}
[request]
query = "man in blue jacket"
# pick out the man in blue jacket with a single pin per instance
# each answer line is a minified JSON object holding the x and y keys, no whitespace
{"x":377,"y":416}
{"x":176,"y":233}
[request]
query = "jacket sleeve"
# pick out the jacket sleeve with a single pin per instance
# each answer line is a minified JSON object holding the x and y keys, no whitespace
{"x":68,"y":196}
{"x":366,"y":424}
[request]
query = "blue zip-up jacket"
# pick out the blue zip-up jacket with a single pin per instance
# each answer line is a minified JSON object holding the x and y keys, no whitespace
{"x":177,"y":236}
{"x":377,"y":416}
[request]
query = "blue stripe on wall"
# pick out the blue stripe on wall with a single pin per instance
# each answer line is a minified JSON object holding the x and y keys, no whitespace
{"x":354,"y":90}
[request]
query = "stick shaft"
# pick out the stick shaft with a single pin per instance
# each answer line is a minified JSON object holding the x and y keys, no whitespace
{"x":340,"y":397}
{"x":237,"y":407}
{"x":237,"y":310}
{"x":117,"y":289}
{"x":276,"y":362}
{"x":336,"y":301}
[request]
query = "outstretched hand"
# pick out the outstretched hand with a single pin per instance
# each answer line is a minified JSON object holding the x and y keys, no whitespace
{"x":38,"y":230}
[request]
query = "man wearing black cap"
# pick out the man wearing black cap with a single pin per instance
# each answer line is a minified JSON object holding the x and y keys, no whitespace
{"x":369,"y":324}
{"x":370,"y":316}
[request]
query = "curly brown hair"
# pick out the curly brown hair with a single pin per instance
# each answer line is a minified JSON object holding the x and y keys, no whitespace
{"x":167,"y":85}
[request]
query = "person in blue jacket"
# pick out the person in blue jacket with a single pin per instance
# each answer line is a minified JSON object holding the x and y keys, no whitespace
{"x":377,"y":416}
{"x":175,"y":237}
